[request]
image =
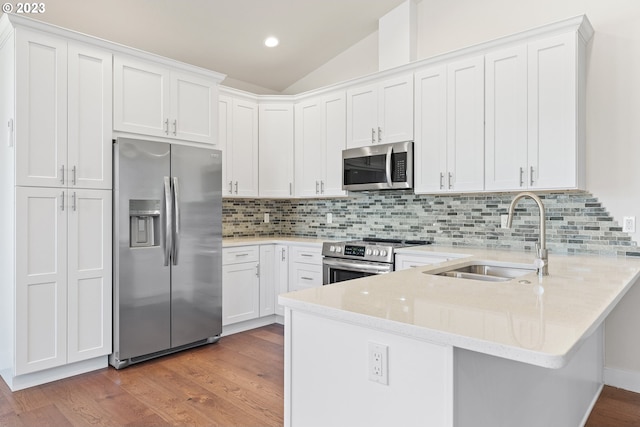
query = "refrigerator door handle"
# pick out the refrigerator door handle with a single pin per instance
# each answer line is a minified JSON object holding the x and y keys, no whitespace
{"x":168,"y":209}
{"x":176,"y":221}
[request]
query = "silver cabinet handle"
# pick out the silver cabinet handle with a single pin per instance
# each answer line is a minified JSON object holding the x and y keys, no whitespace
{"x":450,"y":178}
{"x":236,"y":187}
{"x":241,"y":255}
{"x":175,"y":127}
{"x":441,"y":181}
{"x":230,"y":187}
{"x":176,"y":221}
{"x":521,"y":176}
{"x":62,"y":203}
{"x":73,"y":170}
{"x":373,"y":136}
{"x":306,"y":255}
{"x":168,"y":243}
{"x":283,"y":253}
{"x":291,"y":188}
{"x":379,"y":134}
{"x":306,"y":278}
{"x":531,"y":175}
{"x":166,"y":127}
{"x":257,"y":270}
{"x":321,"y":187}
{"x":62,"y":174}
{"x":74,"y":201}
{"x":317,"y":185}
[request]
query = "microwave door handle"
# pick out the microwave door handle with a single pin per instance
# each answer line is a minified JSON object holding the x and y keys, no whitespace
{"x":388,"y":167}
{"x":168,"y":220}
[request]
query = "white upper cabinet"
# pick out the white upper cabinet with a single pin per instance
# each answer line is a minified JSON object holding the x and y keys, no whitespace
{"x":506,"y":166}
{"x":319,"y":141}
{"x":238,"y":136}
{"x":63,"y":113}
{"x":380,"y":113}
{"x":275,"y":138}
{"x":152,"y":99}
{"x":556,"y":82}
{"x":450,"y":127}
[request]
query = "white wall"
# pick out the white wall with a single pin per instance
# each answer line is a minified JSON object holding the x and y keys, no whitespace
{"x":613,"y":104}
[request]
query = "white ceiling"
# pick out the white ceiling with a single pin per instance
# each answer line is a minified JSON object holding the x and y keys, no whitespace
{"x":227,"y":35}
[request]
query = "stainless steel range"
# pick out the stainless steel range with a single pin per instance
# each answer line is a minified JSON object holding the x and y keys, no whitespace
{"x":355,"y":259}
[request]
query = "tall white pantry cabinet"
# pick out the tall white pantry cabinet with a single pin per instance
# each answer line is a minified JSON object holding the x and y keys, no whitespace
{"x":55,"y":154}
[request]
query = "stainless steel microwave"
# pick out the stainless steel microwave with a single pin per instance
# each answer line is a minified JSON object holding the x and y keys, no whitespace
{"x":378,"y":167}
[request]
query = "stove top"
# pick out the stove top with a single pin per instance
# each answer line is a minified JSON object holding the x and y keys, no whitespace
{"x":368,"y":249}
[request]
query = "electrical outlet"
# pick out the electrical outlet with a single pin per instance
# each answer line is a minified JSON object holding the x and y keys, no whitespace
{"x":329,"y":218}
{"x":378,"y":363}
{"x":266,"y":217}
{"x":504,"y":219}
{"x":629,"y":224}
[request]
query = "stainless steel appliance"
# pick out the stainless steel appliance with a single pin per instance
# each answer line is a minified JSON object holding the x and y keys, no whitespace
{"x":355,"y":259}
{"x":378,"y":167}
{"x":167,"y":249}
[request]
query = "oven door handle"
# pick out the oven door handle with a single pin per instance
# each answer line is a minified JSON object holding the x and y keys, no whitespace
{"x":358,"y":266}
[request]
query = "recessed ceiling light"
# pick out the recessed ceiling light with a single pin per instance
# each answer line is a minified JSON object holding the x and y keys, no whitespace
{"x":271,"y":42}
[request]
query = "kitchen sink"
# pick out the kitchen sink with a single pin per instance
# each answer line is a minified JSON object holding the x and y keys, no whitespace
{"x":487,"y":271}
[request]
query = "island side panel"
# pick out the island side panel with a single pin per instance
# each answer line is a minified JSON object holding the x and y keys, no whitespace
{"x":492,"y":391}
{"x":327,"y":377}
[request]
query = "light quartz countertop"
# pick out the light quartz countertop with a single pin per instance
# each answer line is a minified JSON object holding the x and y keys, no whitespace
{"x":540,"y":323}
{"x":248,"y":241}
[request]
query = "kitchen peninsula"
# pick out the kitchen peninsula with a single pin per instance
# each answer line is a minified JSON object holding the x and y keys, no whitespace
{"x":526,"y":351}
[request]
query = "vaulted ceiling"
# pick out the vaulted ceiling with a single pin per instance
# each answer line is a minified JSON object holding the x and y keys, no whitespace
{"x":227,"y":35}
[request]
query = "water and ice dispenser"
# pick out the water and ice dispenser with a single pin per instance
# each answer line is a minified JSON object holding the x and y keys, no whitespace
{"x":144,"y":223}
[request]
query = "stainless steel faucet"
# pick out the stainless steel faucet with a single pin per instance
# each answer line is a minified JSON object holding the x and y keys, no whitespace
{"x":542,"y":258}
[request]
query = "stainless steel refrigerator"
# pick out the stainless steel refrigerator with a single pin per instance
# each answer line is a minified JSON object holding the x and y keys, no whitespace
{"x":167,"y":249}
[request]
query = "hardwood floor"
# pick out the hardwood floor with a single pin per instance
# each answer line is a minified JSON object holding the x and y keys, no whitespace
{"x":236,"y":382}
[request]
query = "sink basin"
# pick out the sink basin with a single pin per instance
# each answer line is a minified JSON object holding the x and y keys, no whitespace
{"x":487,"y":271}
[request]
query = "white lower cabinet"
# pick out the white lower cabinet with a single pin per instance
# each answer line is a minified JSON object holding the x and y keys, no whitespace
{"x":63,"y":277}
{"x":305,"y":267}
{"x":240,"y":284}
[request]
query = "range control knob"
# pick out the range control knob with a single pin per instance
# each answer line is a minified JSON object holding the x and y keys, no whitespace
{"x":368,"y":252}
{"x":332,"y":249}
{"x":383,"y":253}
{"x":376,"y":252}
{"x":339,"y":249}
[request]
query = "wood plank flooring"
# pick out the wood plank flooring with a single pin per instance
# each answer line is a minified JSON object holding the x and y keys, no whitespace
{"x":236,"y":382}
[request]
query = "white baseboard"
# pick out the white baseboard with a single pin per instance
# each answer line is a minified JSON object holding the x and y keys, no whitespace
{"x":627,"y":380}
{"x":248,"y":324}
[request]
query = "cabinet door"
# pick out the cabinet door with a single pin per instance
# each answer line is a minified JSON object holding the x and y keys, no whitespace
{"x":194,"y":109}
{"x":431,"y":130}
{"x":242,"y":156}
{"x":141,"y":97}
{"x":362,"y":116}
{"x":41,"y":110}
{"x":334,"y":131}
{"x":304,"y":276}
{"x":395,"y":110}
{"x":465,"y":124}
{"x":89,"y":274}
{"x":89,"y":115}
{"x":225,"y":126}
{"x":276,"y":150}
{"x":281,"y":276}
{"x":308,"y":148}
{"x":267,"y":280}
{"x":240,"y":292}
{"x":506,"y":119}
{"x":553,"y":113}
{"x":41,"y":279}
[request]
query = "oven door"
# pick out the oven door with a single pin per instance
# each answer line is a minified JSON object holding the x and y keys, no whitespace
{"x":338,"y":270}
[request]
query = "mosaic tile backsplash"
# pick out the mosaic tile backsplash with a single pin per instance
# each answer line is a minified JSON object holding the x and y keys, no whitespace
{"x":576,"y":221}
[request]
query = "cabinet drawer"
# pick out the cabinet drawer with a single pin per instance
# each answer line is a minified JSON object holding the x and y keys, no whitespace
{"x":304,"y":276}
{"x":404,"y":262}
{"x":306,"y":254}
{"x":240,"y":254}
